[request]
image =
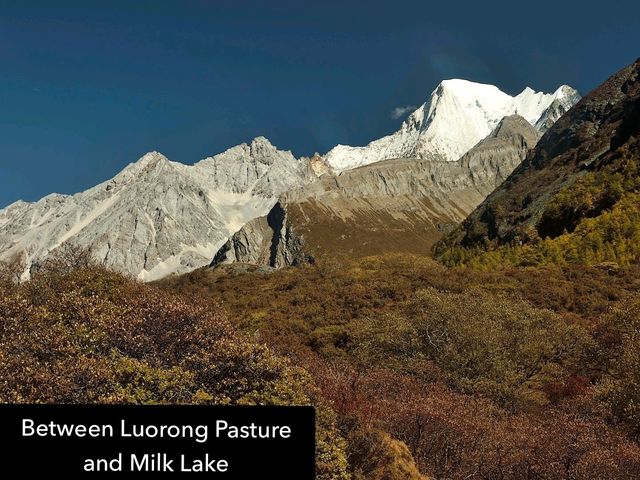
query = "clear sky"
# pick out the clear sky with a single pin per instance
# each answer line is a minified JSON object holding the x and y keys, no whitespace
{"x":87,"y":87}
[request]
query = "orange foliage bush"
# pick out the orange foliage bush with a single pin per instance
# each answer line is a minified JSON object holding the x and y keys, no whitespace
{"x":86,"y":335}
{"x":431,"y":356}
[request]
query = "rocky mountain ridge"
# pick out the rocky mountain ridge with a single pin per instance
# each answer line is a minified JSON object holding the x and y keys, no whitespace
{"x":601,"y":132}
{"x":400,"y":204}
{"x":156,"y":216}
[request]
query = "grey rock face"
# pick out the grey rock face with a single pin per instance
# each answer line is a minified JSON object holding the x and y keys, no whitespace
{"x":493,"y":159}
{"x":156,"y":216}
{"x":270,"y":240}
{"x":558,"y":107}
{"x":394,"y":204}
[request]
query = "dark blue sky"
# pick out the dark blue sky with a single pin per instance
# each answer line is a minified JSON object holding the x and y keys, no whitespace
{"x":87,"y":87}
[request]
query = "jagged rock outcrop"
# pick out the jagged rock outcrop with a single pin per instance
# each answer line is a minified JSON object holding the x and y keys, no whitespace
{"x":394,"y":205}
{"x":601,"y":130}
{"x":156,"y":216}
{"x":557,"y":108}
{"x":493,"y":159}
{"x":319,"y":165}
{"x":270,"y":240}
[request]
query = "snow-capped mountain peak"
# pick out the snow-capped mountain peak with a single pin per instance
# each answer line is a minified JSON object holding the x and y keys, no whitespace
{"x":458,"y":115}
{"x":415,"y":120}
{"x":149,"y":162}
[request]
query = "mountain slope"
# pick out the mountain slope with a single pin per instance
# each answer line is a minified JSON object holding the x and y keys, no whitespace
{"x":393,"y":205}
{"x":458,"y":115}
{"x":156,"y":216}
{"x":585,"y":169}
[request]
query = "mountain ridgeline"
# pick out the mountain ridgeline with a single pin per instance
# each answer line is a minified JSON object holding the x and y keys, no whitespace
{"x":401,"y":205}
{"x":520,"y":363}
{"x":458,"y":115}
{"x":159,"y":217}
{"x":156,"y":216}
{"x":574,"y":198}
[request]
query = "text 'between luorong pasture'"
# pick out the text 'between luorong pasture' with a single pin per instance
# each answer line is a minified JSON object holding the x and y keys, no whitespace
{"x":101,"y":440}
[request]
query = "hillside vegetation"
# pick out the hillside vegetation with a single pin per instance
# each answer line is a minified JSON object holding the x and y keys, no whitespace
{"x":574,"y":199}
{"x":77,"y":333}
{"x":595,"y":220}
{"x":525,"y":372}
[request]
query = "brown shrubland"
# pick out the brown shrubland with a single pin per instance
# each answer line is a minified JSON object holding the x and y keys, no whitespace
{"x":76,"y":333}
{"x":519,"y":373}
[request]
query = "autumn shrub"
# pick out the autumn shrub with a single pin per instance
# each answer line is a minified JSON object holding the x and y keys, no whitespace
{"x":374,"y":455}
{"x":513,"y":387}
{"x":87,"y":335}
{"x":484,"y":343}
{"x":621,"y":387}
{"x":456,"y":435}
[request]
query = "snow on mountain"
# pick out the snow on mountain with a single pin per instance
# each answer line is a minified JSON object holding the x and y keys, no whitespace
{"x":565,"y":98}
{"x":156,"y":216}
{"x":458,"y":115}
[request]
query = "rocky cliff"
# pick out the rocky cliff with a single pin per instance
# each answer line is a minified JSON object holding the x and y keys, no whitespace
{"x":394,"y":205}
{"x":156,"y":216}
{"x":601,"y":133}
